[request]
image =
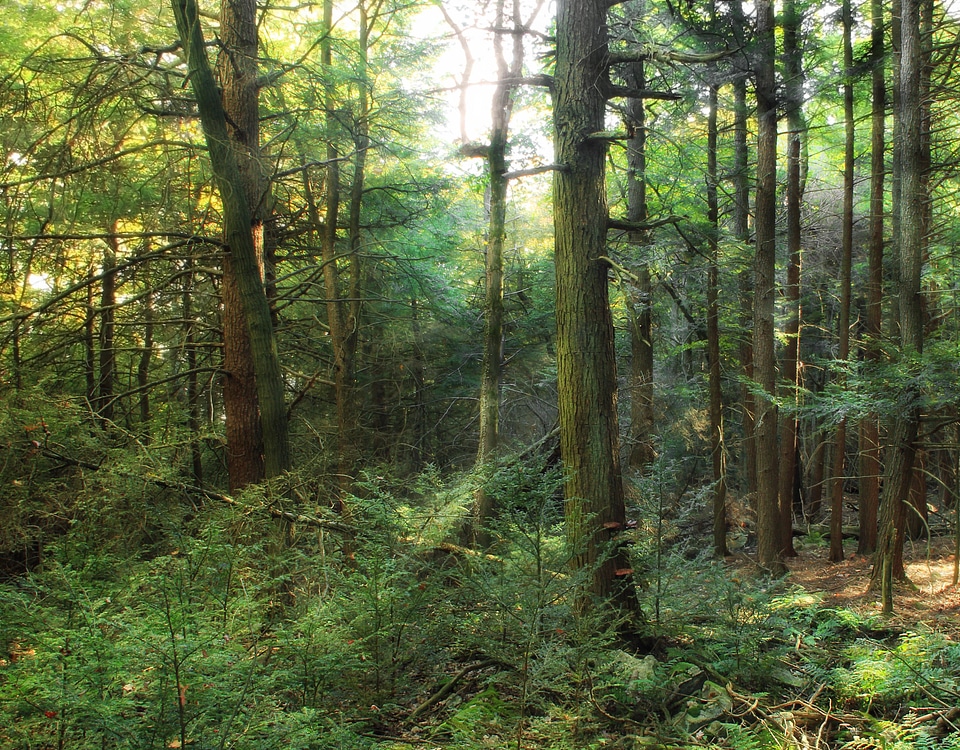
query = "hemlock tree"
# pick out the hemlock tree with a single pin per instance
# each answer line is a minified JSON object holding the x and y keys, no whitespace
{"x":908,"y":241}
{"x":586,"y":364}
{"x":764,"y":358}
{"x":237,"y":70}
{"x":237,"y":224}
{"x":846,"y":262}
{"x":869,"y":426}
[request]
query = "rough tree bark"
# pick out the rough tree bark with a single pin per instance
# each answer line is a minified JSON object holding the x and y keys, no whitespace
{"x":237,"y":223}
{"x":586,"y":365}
{"x":764,"y":358}
{"x":869,"y":427}
{"x":237,"y":69}
{"x":642,"y":450}
{"x":846,"y":264}
{"x":908,"y":240}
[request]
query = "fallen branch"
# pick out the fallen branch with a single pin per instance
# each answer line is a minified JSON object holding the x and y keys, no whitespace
{"x":447,"y":688}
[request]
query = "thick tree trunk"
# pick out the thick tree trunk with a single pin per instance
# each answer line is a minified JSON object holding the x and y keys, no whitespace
{"x":586,"y":365}
{"x":237,"y":222}
{"x":768,"y":507}
{"x":908,"y":238}
{"x":240,"y":96}
{"x":870,"y":428}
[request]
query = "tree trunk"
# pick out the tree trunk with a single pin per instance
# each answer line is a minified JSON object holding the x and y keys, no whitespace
{"x":345,"y":357}
{"x":908,"y":240}
{"x":713,"y":336}
{"x":193,"y":390}
{"x":106,"y":378}
{"x":490,"y":371}
{"x":870,"y":428}
{"x":642,"y":450}
{"x":796,"y":127}
{"x":741,"y":230}
{"x":143,"y":365}
{"x":240,"y":96}
{"x":846,"y":264}
{"x":237,"y":223}
{"x":768,"y":507}
{"x":586,"y":364}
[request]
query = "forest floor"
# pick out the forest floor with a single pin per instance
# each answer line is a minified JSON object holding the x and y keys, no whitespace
{"x":929,"y":598}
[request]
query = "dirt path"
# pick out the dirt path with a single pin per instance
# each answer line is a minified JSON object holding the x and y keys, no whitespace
{"x":932,"y":599}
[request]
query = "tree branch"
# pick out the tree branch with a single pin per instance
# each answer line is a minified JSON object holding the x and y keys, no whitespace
{"x":535,"y":170}
{"x":642,"y":226}
{"x":612,"y":91}
{"x":663,"y":55}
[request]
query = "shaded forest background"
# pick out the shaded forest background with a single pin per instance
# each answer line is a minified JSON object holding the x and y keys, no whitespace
{"x":397,"y":374}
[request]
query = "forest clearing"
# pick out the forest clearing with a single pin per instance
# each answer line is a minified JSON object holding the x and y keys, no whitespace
{"x":407,"y":374}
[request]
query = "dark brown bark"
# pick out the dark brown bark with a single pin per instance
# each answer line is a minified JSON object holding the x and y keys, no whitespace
{"x":106,"y":377}
{"x":870,"y":427}
{"x":640,"y":312}
{"x":586,"y":364}
{"x":143,"y":365}
{"x":908,"y":239}
{"x":741,"y":230}
{"x":768,"y":508}
{"x":192,"y":385}
{"x":846,"y":263}
{"x":237,"y":222}
{"x":240,"y":96}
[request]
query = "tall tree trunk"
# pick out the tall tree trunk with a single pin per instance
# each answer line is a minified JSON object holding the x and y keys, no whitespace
{"x":908,"y":240}
{"x":106,"y":378}
{"x":193,"y":389}
{"x":741,"y":230}
{"x":869,"y":427}
{"x":345,"y":357}
{"x":768,"y":507}
{"x":713,"y":336}
{"x":846,"y":264}
{"x":240,"y":96}
{"x":237,"y":221}
{"x":796,"y":132}
{"x":642,"y":451}
{"x":586,"y":363}
{"x":143,"y":365}
{"x":490,"y":371}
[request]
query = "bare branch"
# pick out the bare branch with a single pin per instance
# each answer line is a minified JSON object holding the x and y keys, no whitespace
{"x":535,"y":170}
{"x":642,"y":226}
{"x":665,"y":55}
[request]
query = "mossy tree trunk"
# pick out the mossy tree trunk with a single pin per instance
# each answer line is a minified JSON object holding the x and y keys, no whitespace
{"x":586,"y":365}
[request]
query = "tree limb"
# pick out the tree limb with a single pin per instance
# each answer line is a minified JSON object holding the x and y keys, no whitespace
{"x":663,"y":55}
{"x":534,"y":170}
{"x":643,"y":226}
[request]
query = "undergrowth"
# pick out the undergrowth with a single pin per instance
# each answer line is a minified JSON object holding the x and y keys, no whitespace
{"x":217,"y":635}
